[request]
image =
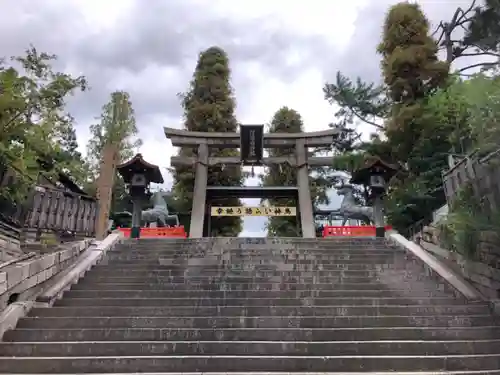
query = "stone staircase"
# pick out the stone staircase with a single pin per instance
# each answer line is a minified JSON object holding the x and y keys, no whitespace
{"x":255,"y":305}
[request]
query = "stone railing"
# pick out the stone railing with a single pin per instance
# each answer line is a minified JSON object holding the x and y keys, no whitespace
{"x":482,"y":271}
{"x":21,"y":276}
{"x":41,"y":280}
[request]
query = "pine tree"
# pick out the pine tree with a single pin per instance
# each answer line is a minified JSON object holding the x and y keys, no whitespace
{"x":484,"y":29}
{"x":209,"y":106}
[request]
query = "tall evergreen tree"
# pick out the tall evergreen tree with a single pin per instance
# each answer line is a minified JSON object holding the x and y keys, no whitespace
{"x":411,"y":70}
{"x":209,"y":106}
{"x":117,"y":128}
{"x":413,"y":73}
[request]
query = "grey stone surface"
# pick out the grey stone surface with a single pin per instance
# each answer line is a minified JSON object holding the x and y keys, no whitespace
{"x":19,"y":277}
{"x":483,"y":276}
{"x":256,"y":305}
{"x":10,"y":248}
{"x":482,"y":269}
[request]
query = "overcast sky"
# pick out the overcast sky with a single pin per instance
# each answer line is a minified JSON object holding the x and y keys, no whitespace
{"x":281,"y":53}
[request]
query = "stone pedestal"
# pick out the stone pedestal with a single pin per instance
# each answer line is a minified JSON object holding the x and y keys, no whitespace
{"x":378,"y":216}
{"x":136,"y":218}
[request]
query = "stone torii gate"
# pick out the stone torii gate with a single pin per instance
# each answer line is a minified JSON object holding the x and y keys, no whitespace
{"x":251,"y":141}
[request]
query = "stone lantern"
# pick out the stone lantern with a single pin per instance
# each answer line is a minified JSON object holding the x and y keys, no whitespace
{"x":138,"y":174}
{"x":375,"y":175}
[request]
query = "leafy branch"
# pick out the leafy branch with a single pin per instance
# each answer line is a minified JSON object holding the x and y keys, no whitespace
{"x":464,"y":20}
{"x":366,"y":102}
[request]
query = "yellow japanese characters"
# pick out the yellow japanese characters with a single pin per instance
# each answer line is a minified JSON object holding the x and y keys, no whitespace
{"x":253,"y":211}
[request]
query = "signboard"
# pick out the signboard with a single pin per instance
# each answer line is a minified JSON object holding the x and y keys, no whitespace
{"x":253,"y":211}
{"x":252,"y":144}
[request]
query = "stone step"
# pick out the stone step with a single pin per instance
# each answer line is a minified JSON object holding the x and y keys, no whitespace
{"x":220,"y":291}
{"x":349,"y":298}
{"x":264,"y":252}
{"x":248,"y":271}
{"x":204,"y":276}
{"x":235,"y":283}
{"x":154,"y":284}
{"x":253,"y":334}
{"x":251,"y":295}
{"x":260,"y":363}
{"x":237,"y":348}
{"x":100,"y":271}
{"x":188,"y":253}
{"x":275,"y":322}
{"x":271,"y":283}
{"x":264,"y":310}
{"x":255,"y":250}
{"x":355,"y":264}
{"x":287,"y":258}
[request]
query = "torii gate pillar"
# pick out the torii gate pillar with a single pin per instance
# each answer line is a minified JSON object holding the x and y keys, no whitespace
{"x":305,"y":202}
{"x":200,"y":193}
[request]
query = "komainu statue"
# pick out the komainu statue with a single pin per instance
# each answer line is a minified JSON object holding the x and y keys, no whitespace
{"x":349,"y":209}
{"x":159,"y":213}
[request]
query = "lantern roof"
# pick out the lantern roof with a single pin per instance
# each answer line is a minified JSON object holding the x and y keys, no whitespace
{"x":374,"y":166}
{"x":137,"y":165}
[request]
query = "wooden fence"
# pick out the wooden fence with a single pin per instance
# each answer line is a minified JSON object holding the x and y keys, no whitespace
{"x":483,"y":172}
{"x":47,"y":208}
{"x":57,"y":210}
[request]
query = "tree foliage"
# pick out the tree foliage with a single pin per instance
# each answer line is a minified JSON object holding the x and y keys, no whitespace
{"x":480,"y":23}
{"x":411,"y":71}
{"x":117,"y":126}
{"x":414,"y":132}
{"x":471,"y":109}
{"x":209,"y":106}
{"x":483,"y":30}
{"x":368,"y":103}
{"x":34,"y":123}
{"x":482,"y":94}
{"x":357,"y":101}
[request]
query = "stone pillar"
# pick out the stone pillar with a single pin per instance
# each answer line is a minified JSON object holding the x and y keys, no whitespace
{"x":136,"y":218}
{"x":199,"y":193}
{"x":378,"y":216}
{"x":305,"y":202}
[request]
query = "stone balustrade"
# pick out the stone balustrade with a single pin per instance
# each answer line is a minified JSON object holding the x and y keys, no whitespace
{"x":482,"y":270}
{"x":18,"y":277}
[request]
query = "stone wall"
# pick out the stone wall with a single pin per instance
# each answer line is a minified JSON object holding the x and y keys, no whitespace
{"x":19,"y":277}
{"x":10,"y":248}
{"x":482,"y":270}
